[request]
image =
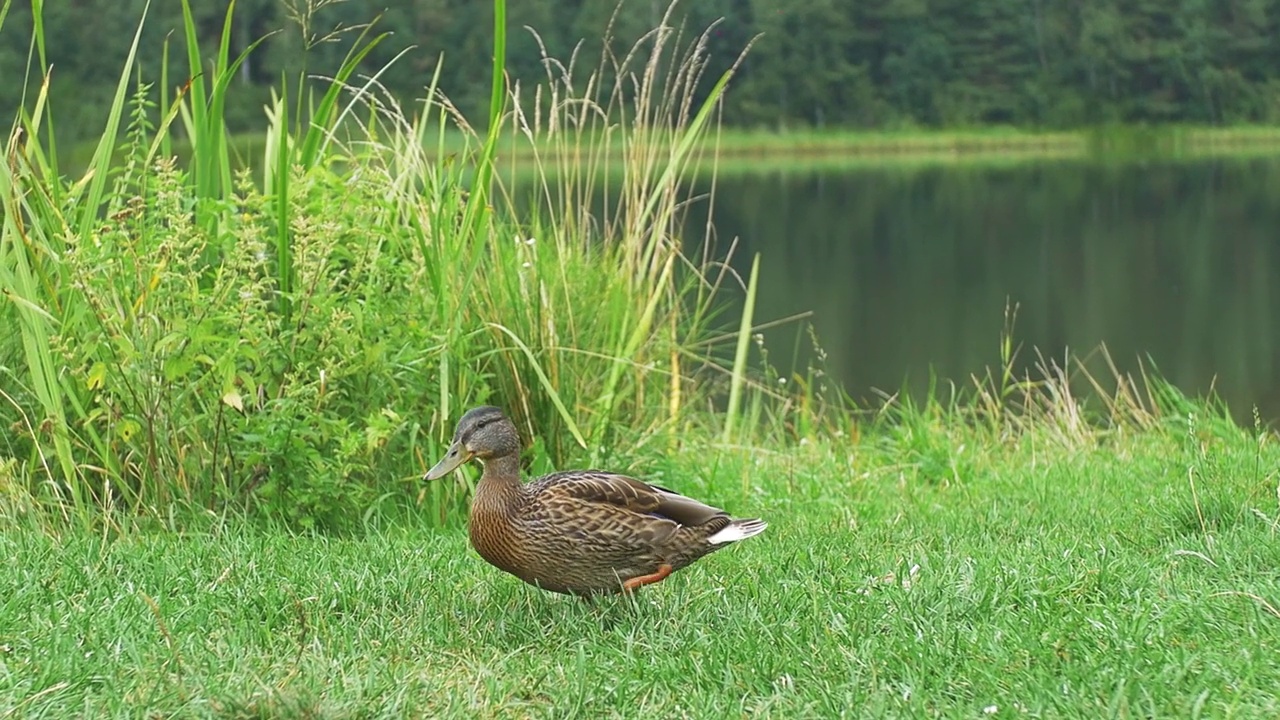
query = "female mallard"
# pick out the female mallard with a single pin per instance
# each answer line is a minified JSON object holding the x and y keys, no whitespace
{"x":582,"y":532}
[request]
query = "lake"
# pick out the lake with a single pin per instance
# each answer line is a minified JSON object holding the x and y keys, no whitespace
{"x":907,"y":270}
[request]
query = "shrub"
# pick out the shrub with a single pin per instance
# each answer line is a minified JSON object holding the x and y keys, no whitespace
{"x":301,"y":344}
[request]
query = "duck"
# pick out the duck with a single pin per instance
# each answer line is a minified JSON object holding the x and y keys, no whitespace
{"x":586,"y":533}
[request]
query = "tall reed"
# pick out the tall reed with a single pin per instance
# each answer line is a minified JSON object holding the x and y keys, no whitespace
{"x":298,"y":343}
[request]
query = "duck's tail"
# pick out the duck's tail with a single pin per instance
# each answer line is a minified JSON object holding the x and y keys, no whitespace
{"x":738,"y":530}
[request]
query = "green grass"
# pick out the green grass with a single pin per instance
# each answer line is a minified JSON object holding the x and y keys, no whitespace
{"x":886,"y":145}
{"x":932,"y":573}
{"x":741,"y":150}
{"x":737,"y":149}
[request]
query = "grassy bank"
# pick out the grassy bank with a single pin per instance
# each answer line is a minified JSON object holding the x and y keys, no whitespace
{"x":997,"y":140}
{"x":920,"y":569}
{"x":736,"y":150}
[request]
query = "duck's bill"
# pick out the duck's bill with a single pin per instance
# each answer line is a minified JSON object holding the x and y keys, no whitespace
{"x":454,"y":458}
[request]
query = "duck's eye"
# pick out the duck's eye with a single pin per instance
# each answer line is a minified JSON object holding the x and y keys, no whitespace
{"x":480,"y":425}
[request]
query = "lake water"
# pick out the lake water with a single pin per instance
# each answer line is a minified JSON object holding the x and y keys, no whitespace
{"x":908,"y":269}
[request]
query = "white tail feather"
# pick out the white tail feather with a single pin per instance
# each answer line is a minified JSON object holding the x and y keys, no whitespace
{"x":738,"y":530}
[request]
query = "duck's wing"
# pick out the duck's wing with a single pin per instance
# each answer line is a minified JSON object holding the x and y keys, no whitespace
{"x":622,"y":512}
{"x":605,"y":488}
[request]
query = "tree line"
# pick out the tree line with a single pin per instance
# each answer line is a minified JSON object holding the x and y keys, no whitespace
{"x":818,"y":63}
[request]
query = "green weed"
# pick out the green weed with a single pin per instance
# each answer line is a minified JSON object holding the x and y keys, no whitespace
{"x":300,"y":340}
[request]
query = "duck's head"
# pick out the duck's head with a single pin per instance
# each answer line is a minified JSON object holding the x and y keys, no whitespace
{"x":483,"y":433}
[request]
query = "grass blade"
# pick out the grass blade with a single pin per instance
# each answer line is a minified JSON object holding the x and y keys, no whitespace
{"x":740,"y":355}
{"x":546,"y":383}
{"x":100,"y":166}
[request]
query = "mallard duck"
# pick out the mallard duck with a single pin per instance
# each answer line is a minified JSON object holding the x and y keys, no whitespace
{"x":581,"y":532}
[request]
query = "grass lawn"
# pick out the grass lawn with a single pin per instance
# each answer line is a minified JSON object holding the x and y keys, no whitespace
{"x":928,"y":570}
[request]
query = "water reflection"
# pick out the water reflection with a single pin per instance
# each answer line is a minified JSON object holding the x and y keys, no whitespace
{"x":909,"y":269}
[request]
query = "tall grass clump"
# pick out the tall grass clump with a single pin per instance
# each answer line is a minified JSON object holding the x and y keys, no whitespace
{"x":296,"y":342}
{"x":608,"y":148}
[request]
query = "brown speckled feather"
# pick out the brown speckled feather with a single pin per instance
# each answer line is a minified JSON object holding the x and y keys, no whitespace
{"x":598,"y":486}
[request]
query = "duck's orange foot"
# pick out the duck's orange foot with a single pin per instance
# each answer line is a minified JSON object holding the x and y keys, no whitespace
{"x":664,"y":570}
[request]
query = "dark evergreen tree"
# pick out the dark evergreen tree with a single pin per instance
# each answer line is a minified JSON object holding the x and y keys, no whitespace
{"x":820,"y":63}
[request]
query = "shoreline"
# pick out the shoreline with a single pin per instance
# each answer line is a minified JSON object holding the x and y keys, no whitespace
{"x":836,"y":146}
{"x":731,"y":148}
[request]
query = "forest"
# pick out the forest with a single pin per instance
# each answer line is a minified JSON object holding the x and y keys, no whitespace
{"x":864,"y":64}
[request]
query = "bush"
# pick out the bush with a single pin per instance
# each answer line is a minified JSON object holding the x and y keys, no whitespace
{"x":301,"y":345}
